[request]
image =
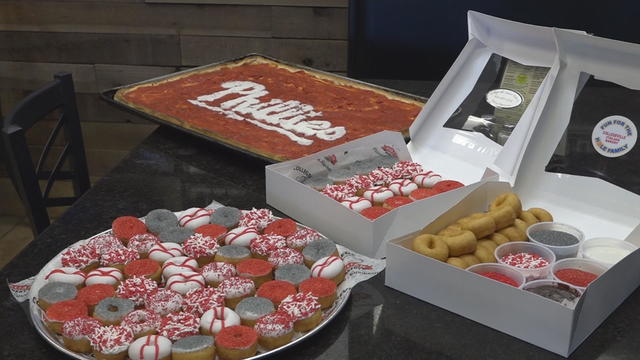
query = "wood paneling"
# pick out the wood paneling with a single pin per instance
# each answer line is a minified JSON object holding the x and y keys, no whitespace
{"x":323,"y":54}
{"x":312,"y":3}
{"x":30,"y":76}
{"x":109,"y":76}
{"x":85,"y":48}
{"x":310,"y":23}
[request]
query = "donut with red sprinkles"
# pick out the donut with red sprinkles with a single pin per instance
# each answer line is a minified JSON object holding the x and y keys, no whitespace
{"x":136,"y":289}
{"x":265,"y":244}
{"x":300,"y":306}
{"x":104,"y":243}
{"x":447,"y":185}
{"x":423,"y":193}
{"x":163,"y":301}
{"x":285,"y":256}
{"x":176,"y":326}
{"x":140,"y":321}
{"x":302,"y":238}
{"x":211,"y":230}
{"x":396,"y":201}
{"x":197,"y":301}
{"x":80,"y":327}
{"x":66,"y":310}
{"x":126,"y":227}
{"x":277,"y":290}
{"x":93,"y":294}
{"x":80,"y":257}
{"x":142,"y":243}
{"x":236,"y":337}
{"x":141,"y":267}
{"x":257,"y":218}
{"x":318,"y":286}
{"x":275,"y":324}
{"x":111,"y":339}
{"x":374,"y":212}
{"x":119,"y":256}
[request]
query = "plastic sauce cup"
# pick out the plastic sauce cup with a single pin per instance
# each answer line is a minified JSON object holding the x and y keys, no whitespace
{"x":505,"y":270}
{"x":607,"y":251}
{"x":531,"y":248}
{"x":561,"y":252}
{"x":587,"y":265}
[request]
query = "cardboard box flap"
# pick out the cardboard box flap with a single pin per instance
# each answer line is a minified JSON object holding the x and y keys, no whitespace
{"x":462,"y":154}
{"x":597,"y":207}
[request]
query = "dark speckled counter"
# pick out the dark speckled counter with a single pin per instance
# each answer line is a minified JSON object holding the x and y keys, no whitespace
{"x":176,"y":171}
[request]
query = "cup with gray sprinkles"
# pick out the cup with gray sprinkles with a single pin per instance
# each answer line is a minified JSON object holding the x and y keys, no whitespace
{"x":564,"y":240}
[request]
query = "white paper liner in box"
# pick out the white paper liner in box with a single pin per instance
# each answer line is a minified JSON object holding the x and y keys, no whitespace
{"x":464,"y":155}
{"x":596,"y":207}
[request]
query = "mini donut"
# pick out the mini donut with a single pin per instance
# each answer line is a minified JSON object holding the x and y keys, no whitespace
{"x":470,"y":259}
{"x":236,"y":342}
{"x":193,"y":347}
{"x":356,"y":203}
{"x":447,"y":185}
{"x":484,"y":254}
{"x":68,"y":275}
{"x":528,"y":217}
{"x":422,"y":193}
{"x":541,"y":214}
{"x":377,"y":194}
{"x":164,"y":251}
{"x":274,"y":330}
{"x":184,"y":282}
{"x":488,"y":243}
{"x":521,"y":224}
{"x":402,"y":187}
{"x":509,"y":199}
{"x":63,"y":311}
{"x":277,"y":290}
{"x":93,"y":294}
{"x":235,"y":289}
{"x":211,"y":230}
{"x":513,"y":233}
{"x":125,"y":227}
{"x":283,"y":227}
{"x":142,"y":322}
{"x":55,"y":292}
{"x":503,"y":216}
{"x":293,"y":273}
{"x":175,"y":235}
{"x":111,"y":310}
{"x":250,"y":309}
{"x":232,"y":254}
{"x":427,"y":180}
{"x":331,"y":267}
{"x":179,"y":264}
{"x":499,"y":238}
{"x":396,"y":201}
{"x":176,"y":326}
{"x":374,"y":212}
{"x":462,"y":243}
{"x":194,"y":217}
{"x":432,"y":246}
{"x":159,"y":220}
{"x":104,"y":275}
{"x":163,"y":301}
{"x":240,"y":236}
{"x":450,"y":230}
{"x":318,"y":249}
{"x":480,"y":225}
{"x":457,"y":262}
{"x":150,"y":347}
{"x":226,"y":216}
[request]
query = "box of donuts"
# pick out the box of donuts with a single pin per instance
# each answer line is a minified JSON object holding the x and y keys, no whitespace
{"x":547,"y":259}
{"x":368,"y":191}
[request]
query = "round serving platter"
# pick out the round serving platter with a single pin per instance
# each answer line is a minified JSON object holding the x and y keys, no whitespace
{"x":37,"y":315}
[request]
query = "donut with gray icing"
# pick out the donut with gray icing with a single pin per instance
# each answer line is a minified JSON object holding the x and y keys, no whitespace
{"x":234,"y":252}
{"x":192,"y":343}
{"x":113,"y":309}
{"x":254,"y":307}
{"x":159,"y":220}
{"x":318,"y":249}
{"x":55,"y":291}
{"x":293,"y":273}
{"x":175,"y":235}
{"x":226,"y":216}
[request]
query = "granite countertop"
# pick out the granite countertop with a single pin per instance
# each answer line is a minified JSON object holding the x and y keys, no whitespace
{"x":176,"y":171}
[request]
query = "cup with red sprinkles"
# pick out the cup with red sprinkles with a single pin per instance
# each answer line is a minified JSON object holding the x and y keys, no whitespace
{"x":577,"y":272}
{"x":499,"y":272}
{"x":532,"y":260}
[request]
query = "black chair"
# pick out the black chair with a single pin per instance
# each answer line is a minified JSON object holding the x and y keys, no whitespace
{"x":57,"y":95}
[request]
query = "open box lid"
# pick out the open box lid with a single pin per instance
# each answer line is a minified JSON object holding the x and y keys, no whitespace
{"x":465,"y":92}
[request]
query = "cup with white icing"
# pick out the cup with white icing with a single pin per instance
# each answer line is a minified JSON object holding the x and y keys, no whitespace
{"x":607,"y":251}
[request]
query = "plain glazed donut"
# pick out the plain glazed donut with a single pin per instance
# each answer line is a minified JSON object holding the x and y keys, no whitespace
{"x":499,"y":238}
{"x":488,"y":243}
{"x":503,"y":216}
{"x":466,"y":219}
{"x":457,"y":262}
{"x":541,"y":214}
{"x":513,"y":233}
{"x":521,"y":224}
{"x":484,"y":254}
{"x":508,"y":199}
{"x":450,"y":230}
{"x":528,"y":217}
{"x":432,"y":246}
{"x":470,"y":259}
{"x":480,"y":225}
{"x":464,"y":242}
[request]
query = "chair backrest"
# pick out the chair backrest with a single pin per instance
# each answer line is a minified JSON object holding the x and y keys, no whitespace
{"x":57,"y":95}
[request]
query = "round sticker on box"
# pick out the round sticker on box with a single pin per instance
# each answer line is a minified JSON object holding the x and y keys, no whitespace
{"x":504,"y":98}
{"x":614,"y":136}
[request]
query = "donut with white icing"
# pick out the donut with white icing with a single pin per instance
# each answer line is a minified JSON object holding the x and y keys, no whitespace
{"x":218,"y":318}
{"x":377,"y":194}
{"x":67,"y":275}
{"x":179,"y":264}
{"x":104,"y":275}
{"x":194,"y":217}
{"x":427,"y":180}
{"x":184,"y":282}
{"x":150,"y":347}
{"x":240,"y":236}
{"x":356,"y":203}
{"x":402,"y":187}
{"x":330,"y":267}
{"x":164,"y":251}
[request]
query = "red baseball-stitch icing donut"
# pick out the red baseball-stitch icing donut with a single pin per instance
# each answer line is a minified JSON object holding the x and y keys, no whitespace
{"x":374,"y":212}
{"x":184,"y":282}
{"x":283,"y":227}
{"x":240,"y":236}
{"x":356,"y":203}
{"x":423,"y":193}
{"x":69,"y":275}
{"x":447,"y":185}
{"x":149,"y":347}
{"x":179,"y":264}
{"x":125,"y":227}
{"x":427,"y":180}
{"x":377,"y":194}
{"x":211,"y":230}
{"x":176,"y":326}
{"x":402,"y":187}
{"x":218,"y":318}
{"x":164,"y":251}
{"x":396,"y":201}
{"x":104,"y":275}
{"x":194,"y":217}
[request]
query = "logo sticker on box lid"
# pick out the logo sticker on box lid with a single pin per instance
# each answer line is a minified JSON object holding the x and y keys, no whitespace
{"x":614,"y":136}
{"x":504,"y":98}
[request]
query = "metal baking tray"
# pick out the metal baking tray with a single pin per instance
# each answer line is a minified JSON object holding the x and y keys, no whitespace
{"x":109,"y":94}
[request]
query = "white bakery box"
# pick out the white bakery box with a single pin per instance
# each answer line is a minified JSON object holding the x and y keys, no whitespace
{"x":456,"y":154}
{"x":597,"y":207}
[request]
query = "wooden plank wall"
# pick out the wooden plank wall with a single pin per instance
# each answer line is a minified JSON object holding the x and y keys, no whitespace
{"x":107,"y":43}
